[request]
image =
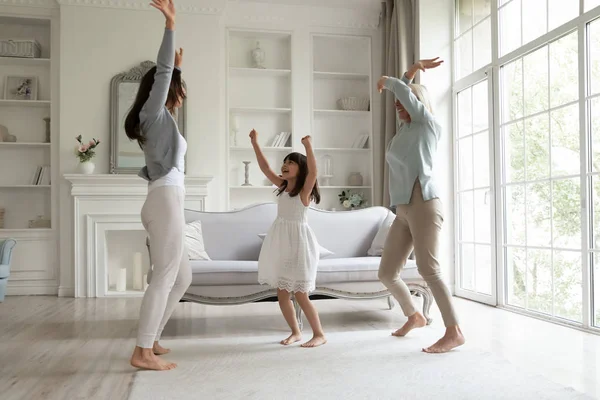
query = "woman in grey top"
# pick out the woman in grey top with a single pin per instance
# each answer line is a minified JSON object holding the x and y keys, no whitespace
{"x":150,"y":122}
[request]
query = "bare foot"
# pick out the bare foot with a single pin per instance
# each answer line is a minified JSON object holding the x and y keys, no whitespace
{"x":452,"y":339}
{"x":316,"y":341}
{"x":293,"y":338}
{"x":145,"y":359}
{"x":417,"y":320}
{"x":159,"y":350}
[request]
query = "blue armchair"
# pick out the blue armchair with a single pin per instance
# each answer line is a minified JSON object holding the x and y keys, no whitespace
{"x":6,"y":247}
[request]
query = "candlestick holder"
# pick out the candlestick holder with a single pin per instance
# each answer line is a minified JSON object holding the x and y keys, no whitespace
{"x":247,"y":173}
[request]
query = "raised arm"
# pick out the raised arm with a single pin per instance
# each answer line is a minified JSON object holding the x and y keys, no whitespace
{"x":311,"y":178}
{"x":402,"y":91}
{"x":262,"y":161}
{"x":165,"y":61}
{"x":407,"y":98}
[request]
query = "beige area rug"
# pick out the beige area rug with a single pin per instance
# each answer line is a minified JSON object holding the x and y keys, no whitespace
{"x":353,"y":365}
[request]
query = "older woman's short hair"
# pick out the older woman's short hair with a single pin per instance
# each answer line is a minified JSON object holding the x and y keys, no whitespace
{"x":422,"y":94}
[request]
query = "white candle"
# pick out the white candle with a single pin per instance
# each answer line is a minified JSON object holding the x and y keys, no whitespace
{"x":137,"y":271}
{"x":122,"y":280}
{"x":235,"y":123}
{"x":112,"y":279}
{"x":145,"y":282}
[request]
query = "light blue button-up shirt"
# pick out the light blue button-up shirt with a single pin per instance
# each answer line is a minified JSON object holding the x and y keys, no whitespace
{"x":411,"y":151}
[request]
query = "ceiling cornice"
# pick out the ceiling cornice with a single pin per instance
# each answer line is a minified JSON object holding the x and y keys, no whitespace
{"x":30,"y":3}
{"x":211,"y":7}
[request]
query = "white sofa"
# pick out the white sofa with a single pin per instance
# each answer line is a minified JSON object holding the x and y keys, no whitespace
{"x":231,"y":240}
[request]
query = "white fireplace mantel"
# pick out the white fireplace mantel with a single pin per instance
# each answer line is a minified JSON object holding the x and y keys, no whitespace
{"x":104,"y":203}
{"x":127,"y":185}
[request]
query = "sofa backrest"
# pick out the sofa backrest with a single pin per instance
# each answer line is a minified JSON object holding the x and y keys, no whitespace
{"x":233,"y":235}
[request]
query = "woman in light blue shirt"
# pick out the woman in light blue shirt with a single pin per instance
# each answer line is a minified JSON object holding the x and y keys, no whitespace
{"x":410,"y":157}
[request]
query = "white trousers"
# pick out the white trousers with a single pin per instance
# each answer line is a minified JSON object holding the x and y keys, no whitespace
{"x":163,"y":219}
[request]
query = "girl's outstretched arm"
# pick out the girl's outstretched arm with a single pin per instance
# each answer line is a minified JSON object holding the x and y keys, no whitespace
{"x":311,"y":178}
{"x":262,"y":161}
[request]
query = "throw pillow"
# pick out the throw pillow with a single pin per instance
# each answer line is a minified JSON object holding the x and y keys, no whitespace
{"x":323,"y":252}
{"x":376,"y":248}
{"x":195,"y":241}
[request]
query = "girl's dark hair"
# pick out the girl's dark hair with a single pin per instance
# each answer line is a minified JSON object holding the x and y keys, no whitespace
{"x":300,"y":159}
{"x":132,"y":121}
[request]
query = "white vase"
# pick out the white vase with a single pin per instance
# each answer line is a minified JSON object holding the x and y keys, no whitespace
{"x":87,"y":167}
{"x":258,"y":57}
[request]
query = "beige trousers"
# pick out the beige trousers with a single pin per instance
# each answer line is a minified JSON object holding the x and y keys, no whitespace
{"x":417,"y":224}
{"x":163,"y":219}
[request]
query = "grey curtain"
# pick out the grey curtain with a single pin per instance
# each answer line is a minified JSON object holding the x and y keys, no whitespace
{"x":399,"y":42}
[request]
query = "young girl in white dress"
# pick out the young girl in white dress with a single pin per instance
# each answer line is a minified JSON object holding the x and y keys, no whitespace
{"x":290,"y":252}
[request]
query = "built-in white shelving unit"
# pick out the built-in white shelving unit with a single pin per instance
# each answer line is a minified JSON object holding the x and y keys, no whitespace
{"x":35,"y":259}
{"x":268,"y":99}
{"x":342,"y":68}
{"x":261,"y":99}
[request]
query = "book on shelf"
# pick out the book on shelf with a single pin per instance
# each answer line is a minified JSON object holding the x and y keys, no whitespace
{"x":281,"y":139}
{"x":41,"y":176}
{"x":360,"y":142}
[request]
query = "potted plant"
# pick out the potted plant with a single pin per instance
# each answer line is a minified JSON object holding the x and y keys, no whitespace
{"x":350,"y":200}
{"x":85,"y":152}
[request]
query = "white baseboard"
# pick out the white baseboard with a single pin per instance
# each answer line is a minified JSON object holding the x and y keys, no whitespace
{"x":66,"y":291}
{"x":32,"y":290}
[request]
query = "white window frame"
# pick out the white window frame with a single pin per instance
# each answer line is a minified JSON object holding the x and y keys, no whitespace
{"x":492,"y":72}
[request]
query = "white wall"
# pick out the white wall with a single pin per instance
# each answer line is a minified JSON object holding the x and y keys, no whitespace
{"x":435,"y":30}
{"x":98,"y":43}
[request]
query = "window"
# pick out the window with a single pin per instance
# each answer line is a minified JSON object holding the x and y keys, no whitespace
{"x":548,"y":159}
{"x":522,"y":21}
{"x":473,"y":36}
{"x":593,"y":169}
{"x":474,"y":193}
{"x":541,"y":183}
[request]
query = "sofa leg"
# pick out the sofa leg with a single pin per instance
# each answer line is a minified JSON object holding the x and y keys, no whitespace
{"x":3,"y":285}
{"x":298,"y":311}
{"x":390,"y":301}
{"x":427,"y":302}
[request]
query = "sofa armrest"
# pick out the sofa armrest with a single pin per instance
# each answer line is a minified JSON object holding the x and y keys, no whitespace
{"x":6,"y":247}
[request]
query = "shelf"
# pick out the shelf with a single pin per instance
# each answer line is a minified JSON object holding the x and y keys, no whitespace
{"x":245,"y":110}
{"x":21,"y":230}
{"x":25,"y":103}
{"x":127,"y":293}
{"x":259,"y":72}
{"x":268,"y":148}
{"x":256,"y":35}
{"x":25,"y":186}
{"x":252,"y":187}
{"x":22,"y":61}
{"x":24,"y":144}
{"x":345,"y":187}
{"x":340,"y":75}
{"x":342,"y":113}
{"x":342,"y":149}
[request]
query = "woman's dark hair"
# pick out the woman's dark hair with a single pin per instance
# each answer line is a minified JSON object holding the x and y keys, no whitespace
{"x":300,"y":159}
{"x":132,"y":121}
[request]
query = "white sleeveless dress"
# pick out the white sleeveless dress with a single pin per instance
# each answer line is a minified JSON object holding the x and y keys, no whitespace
{"x":290,"y":252}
